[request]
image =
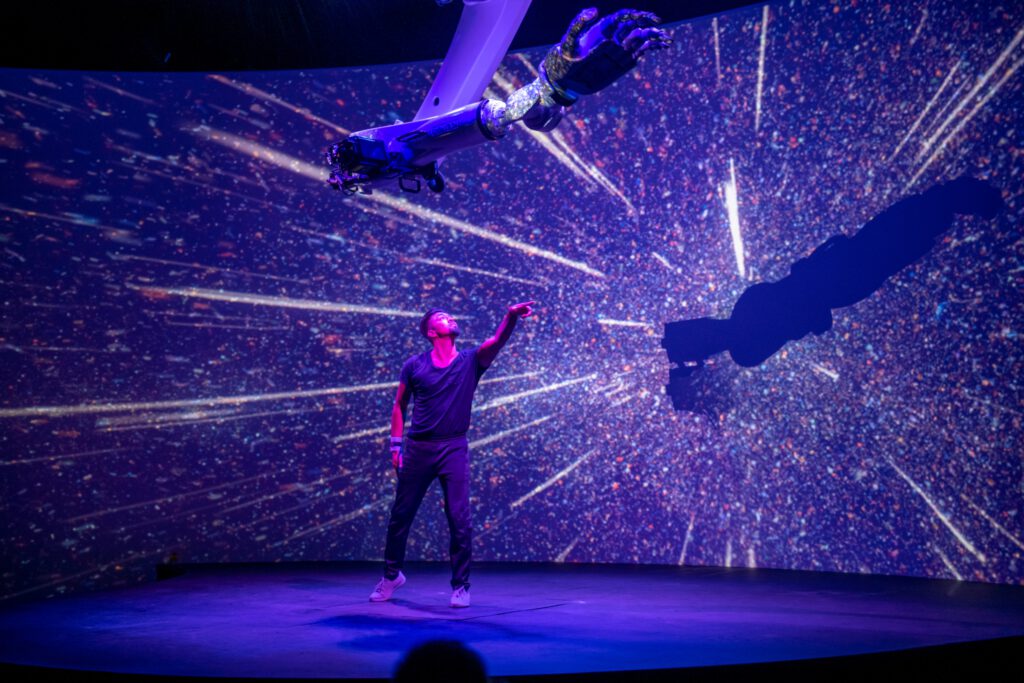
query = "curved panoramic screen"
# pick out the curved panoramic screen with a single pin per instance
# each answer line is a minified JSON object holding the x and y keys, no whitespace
{"x":201,"y":340}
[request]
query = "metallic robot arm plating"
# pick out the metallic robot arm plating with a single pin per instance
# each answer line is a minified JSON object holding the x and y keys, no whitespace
{"x":592,"y":55}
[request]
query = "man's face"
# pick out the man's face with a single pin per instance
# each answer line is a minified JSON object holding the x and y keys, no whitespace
{"x":443,"y":325}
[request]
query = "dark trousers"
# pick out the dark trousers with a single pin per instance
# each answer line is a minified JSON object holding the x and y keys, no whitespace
{"x":424,"y":461}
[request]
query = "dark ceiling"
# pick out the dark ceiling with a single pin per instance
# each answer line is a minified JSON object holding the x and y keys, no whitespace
{"x":230,"y":35}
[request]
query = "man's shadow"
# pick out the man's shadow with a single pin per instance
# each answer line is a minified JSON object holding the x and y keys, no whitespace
{"x":840,"y":272}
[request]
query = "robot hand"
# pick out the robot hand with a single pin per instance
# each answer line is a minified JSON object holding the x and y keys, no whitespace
{"x":594,"y":53}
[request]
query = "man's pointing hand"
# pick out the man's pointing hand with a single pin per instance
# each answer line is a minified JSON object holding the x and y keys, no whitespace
{"x":522,"y":310}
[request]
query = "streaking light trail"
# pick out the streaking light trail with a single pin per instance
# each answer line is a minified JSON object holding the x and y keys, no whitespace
{"x":718,"y":55}
{"x":542,"y":138}
{"x":556,"y":144}
{"x":512,"y":398}
{"x":945,"y":560}
{"x":999,"y":527}
{"x":732,"y":207}
{"x":593,"y":171}
{"x":663,"y":261}
{"x":57,"y":349}
{"x":621,"y":401}
{"x":167,"y":499}
{"x":70,"y":219}
{"x":926,"y":146}
{"x":964,"y":121}
{"x":506,"y":378}
{"x":928,"y":107}
{"x":940,"y":115}
{"x":62,"y":456}
{"x":96,"y":408}
{"x":568,"y":549}
{"x":938,"y":513}
{"x":550,"y":482}
{"x":199,"y":266}
{"x":260,"y":152}
{"x":250,"y":328}
{"x":477,"y":231}
{"x":920,"y":25}
{"x":831,"y":374}
{"x":760,"y":71}
{"x":686,"y":540}
{"x":42,"y":101}
{"x":300,"y":167}
{"x":419,"y":259}
{"x":169,"y":420}
{"x":491,"y":438}
{"x":974,"y":91}
{"x":264,"y":95}
{"x":122,"y":92}
{"x":373,"y":431}
{"x":274,"y":301}
{"x":289,"y":491}
{"x":334,"y":522}
{"x":624,"y":323}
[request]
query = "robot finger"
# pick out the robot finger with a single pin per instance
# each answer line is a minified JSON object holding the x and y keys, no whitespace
{"x":650,"y":45}
{"x":633,"y":39}
{"x":583,"y":21}
{"x":637,"y":16}
{"x":640,"y":36}
{"x":624,"y":29}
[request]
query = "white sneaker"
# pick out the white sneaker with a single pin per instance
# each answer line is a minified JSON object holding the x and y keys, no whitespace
{"x":460,"y":597}
{"x":386,"y":587}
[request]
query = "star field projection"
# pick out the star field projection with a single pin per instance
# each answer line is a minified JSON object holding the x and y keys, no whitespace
{"x":201,"y":341}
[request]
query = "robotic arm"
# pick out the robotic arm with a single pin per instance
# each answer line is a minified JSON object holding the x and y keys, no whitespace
{"x":592,"y":55}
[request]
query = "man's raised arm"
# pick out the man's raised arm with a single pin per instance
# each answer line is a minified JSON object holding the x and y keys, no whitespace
{"x":491,"y":346}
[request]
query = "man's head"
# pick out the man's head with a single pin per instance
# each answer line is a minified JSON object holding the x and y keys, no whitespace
{"x":438,"y":323}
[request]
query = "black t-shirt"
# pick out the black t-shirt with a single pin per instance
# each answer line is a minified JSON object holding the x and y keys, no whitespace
{"x":441,"y":397}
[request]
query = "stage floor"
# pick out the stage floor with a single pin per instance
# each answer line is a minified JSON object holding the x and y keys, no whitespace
{"x":312,"y":621}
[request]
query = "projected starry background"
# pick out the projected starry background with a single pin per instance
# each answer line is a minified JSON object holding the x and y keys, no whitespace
{"x":201,"y":341}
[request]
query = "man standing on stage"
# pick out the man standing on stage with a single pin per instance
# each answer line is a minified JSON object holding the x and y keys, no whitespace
{"x":441,"y":382}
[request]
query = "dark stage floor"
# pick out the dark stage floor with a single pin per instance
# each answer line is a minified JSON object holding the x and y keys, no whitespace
{"x":312,"y":621}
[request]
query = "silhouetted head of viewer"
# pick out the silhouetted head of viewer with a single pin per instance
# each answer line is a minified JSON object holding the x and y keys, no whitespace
{"x":441,"y":660}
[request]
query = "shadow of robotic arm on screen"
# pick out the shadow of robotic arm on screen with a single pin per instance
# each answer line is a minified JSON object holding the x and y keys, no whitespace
{"x":594,"y":53}
{"x":840,"y":272}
